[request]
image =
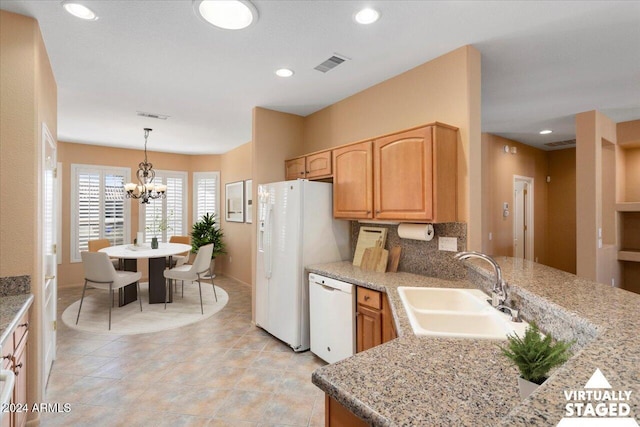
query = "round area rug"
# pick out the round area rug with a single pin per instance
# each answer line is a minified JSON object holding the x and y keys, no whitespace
{"x":129,"y":320}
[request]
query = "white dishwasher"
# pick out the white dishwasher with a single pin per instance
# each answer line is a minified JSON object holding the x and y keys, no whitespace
{"x":332,"y":318}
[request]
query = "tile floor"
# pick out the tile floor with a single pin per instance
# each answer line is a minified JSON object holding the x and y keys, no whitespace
{"x":219,"y":372}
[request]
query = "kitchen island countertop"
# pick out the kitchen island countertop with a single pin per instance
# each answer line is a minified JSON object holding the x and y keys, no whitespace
{"x":444,"y":381}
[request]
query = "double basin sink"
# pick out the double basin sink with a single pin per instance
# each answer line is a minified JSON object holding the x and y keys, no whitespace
{"x":456,"y":313}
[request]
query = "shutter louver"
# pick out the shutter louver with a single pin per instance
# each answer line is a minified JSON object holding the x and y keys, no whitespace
{"x":206,"y":193}
{"x":99,"y":210}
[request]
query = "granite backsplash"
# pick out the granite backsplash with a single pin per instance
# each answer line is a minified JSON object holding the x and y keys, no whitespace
{"x":420,"y":257}
{"x":15,"y":285}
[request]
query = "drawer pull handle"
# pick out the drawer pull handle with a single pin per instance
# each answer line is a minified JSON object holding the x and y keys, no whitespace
{"x":24,"y":325}
{"x":367,"y":297}
{"x":17,"y":369}
{"x":8,"y":356}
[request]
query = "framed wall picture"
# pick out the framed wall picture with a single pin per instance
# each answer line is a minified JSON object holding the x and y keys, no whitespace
{"x":248,"y":201}
{"x":234,"y":195}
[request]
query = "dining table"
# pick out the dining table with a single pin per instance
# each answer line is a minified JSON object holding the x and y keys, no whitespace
{"x":129,"y":256}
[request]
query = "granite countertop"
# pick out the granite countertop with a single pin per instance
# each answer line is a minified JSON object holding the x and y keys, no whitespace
{"x":442,"y":381}
{"x":11,"y":309}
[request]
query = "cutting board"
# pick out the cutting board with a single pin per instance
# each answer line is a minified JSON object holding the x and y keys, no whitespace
{"x":375,"y":259}
{"x":394,"y":259}
{"x":369,"y":237}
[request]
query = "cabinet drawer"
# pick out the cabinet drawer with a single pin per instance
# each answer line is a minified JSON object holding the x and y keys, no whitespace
{"x":21,"y":331}
{"x":369,"y":298}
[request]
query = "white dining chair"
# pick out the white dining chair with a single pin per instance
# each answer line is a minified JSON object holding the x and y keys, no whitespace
{"x":100,"y":274}
{"x":192,"y":273}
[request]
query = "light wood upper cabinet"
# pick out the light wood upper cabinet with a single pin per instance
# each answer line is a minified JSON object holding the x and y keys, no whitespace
{"x":294,"y":168}
{"x":415,"y":175}
{"x":318,"y":165}
{"x":313,"y":166}
{"x":353,"y":181}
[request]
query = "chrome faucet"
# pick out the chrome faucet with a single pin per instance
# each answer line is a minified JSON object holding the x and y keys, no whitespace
{"x":499,"y":292}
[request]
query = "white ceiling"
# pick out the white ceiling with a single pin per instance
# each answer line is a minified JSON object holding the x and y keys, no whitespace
{"x":542,"y":62}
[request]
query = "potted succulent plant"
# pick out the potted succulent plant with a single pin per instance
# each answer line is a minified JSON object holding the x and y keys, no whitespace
{"x":535,"y":355}
{"x":206,"y":231}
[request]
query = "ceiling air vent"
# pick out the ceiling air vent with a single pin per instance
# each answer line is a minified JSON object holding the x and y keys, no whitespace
{"x":152,"y":115}
{"x":561,"y":143}
{"x":330,"y":63}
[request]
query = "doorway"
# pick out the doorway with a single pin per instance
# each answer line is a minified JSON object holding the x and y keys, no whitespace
{"x":523,"y":217}
{"x":49,"y":203}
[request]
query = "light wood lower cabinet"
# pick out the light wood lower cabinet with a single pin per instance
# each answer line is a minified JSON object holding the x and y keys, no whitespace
{"x":374,"y":321}
{"x":336,"y":415}
{"x":14,"y":357}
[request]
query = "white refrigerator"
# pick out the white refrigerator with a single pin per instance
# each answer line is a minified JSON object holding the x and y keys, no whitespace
{"x":295,"y":228}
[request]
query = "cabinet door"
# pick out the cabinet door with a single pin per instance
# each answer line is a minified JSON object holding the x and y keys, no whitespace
{"x":353,"y":181}
{"x":403,"y":168}
{"x":337,"y":415}
{"x":20,"y":390}
{"x":319,"y":165}
{"x":294,"y":168}
{"x":6,"y":362}
{"x":369,"y":328}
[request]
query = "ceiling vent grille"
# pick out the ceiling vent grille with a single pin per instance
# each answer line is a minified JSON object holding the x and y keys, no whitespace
{"x":152,"y":115}
{"x":330,"y":63}
{"x":561,"y":143}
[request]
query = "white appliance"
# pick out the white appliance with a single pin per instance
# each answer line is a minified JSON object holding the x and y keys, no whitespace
{"x":332,"y":317}
{"x":295,"y":228}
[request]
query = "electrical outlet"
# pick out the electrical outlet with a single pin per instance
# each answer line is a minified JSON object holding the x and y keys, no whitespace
{"x":490,"y":236}
{"x":448,"y":244}
{"x":230,"y":260}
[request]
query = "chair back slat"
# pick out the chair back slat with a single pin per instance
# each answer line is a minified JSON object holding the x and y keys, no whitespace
{"x":203,"y":259}
{"x":181,"y":239}
{"x":96,"y":245}
{"x":98,"y":267}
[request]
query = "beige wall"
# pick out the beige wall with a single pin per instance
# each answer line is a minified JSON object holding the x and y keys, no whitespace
{"x":498,"y":188}
{"x":73,"y":153}
{"x":19,"y":149}
{"x":632,"y":176}
{"x":446,"y":89}
{"x":28,"y":100}
{"x":628,"y":133}
{"x":593,"y":130}
{"x":276,"y":137}
{"x":237,"y":263}
{"x":561,"y":212}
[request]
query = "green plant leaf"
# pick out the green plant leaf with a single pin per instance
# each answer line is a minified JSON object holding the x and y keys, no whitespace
{"x":205,"y":231}
{"x":535,"y":355}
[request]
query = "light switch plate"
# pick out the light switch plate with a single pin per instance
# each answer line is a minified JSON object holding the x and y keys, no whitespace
{"x":448,"y":244}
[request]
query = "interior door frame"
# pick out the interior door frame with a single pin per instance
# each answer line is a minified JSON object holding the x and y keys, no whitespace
{"x":529,"y":215}
{"x":48,"y":324}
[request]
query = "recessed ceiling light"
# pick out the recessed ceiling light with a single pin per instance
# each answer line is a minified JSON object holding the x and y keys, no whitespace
{"x":367,"y":16}
{"x":545,"y":132}
{"x":79,"y":10}
{"x":284,"y":72}
{"x":227,"y":14}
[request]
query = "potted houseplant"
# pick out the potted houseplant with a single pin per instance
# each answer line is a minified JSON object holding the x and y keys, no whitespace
{"x":206,"y":231}
{"x":535,"y":355}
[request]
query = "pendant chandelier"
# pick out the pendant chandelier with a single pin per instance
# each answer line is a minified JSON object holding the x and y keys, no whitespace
{"x":146,"y":189}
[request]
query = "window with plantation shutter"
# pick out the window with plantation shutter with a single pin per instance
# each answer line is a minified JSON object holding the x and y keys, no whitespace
{"x":98,"y":205}
{"x":206,"y":194}
{"x":163,"y":218}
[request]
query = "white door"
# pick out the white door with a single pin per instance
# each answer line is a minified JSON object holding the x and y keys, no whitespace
{"x":49,"y":250}
{"x":523,"y":217}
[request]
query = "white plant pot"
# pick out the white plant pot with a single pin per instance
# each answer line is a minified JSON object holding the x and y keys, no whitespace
{"x":526,"y":387}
